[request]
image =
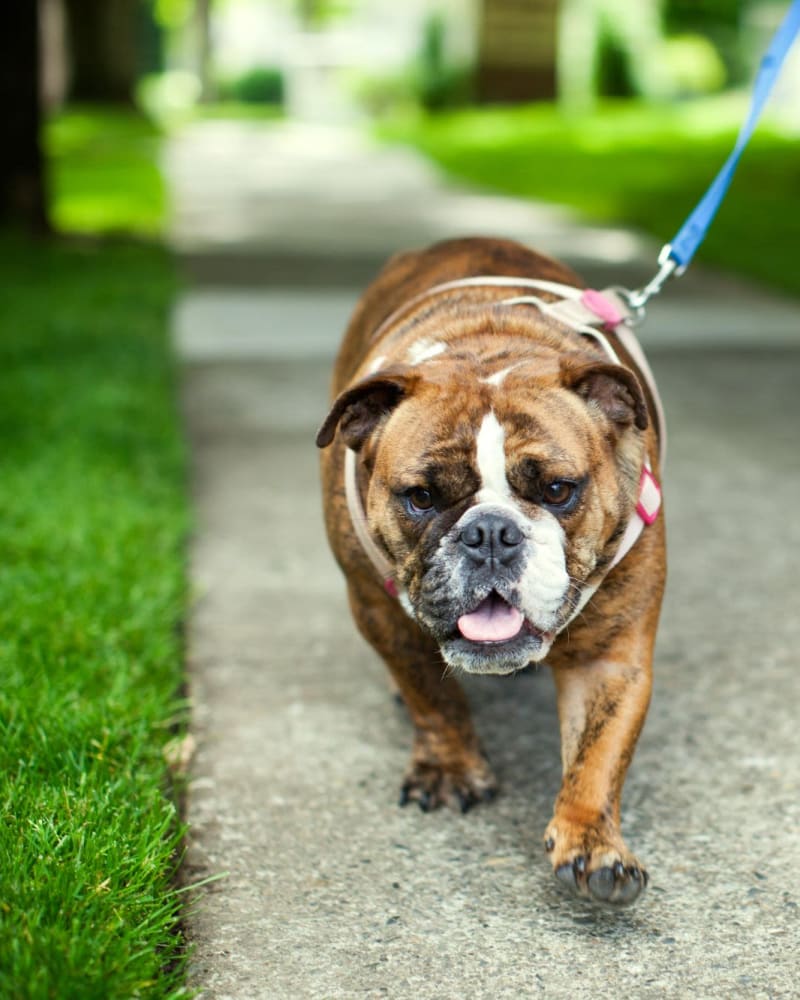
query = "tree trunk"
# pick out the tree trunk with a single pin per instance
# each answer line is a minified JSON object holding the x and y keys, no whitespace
{"x":22,"y":199}
{"x":102,"y":41}
{"x":517,"y":50}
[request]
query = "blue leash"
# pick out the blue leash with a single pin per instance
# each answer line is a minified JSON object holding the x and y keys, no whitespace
{"x":676,"y":256}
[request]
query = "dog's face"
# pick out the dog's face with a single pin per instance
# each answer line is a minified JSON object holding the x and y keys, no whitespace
{"x":500,"y":499}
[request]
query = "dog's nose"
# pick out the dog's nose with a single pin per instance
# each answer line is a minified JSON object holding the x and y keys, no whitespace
{"x":491,"y":537}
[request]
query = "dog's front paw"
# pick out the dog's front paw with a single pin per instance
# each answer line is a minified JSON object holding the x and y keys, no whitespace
{"x":459,"y":781}
{"x":593,"y":861}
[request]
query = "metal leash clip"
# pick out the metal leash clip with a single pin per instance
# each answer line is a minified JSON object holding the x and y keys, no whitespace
{"x":637,"y":299}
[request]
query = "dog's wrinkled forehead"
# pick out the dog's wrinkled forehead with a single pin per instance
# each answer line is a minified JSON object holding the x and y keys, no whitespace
{"x":433,"y":433}
{"x":468,"y":430}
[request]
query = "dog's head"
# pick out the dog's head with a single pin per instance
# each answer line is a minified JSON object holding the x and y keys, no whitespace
{"x":500,"y":498}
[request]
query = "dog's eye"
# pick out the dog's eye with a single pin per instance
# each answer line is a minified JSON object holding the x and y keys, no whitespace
{"x":559,"y":493}
{"x":419,"y":501}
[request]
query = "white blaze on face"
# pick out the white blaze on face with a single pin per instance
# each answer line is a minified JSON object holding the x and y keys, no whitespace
{"x":544,"y":581}
{"x":491,"y":454}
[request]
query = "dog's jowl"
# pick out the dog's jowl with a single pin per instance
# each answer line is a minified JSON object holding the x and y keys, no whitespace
{"x":490,"y":470}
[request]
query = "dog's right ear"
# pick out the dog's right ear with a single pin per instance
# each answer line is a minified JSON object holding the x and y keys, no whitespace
{"x":359,"y":409}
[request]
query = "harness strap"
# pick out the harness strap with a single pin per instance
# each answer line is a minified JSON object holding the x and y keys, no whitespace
{"x":481,"y":281}
{"x":359,"y":518}
{"x":610,"y":307}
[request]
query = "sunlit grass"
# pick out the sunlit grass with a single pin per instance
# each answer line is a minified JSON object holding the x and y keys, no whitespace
{"x":635,"y":164}
{"x":93,"y":523}
{"x":103,"y":172}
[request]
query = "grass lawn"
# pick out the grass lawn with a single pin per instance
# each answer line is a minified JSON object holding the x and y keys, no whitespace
{"x":93,"y":522}
{"x":633,"y":164}
{"x":103,"y":172}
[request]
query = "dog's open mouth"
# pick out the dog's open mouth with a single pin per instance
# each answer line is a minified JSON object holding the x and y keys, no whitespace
{"x":494,"y":620}
{"x":495,"y":638}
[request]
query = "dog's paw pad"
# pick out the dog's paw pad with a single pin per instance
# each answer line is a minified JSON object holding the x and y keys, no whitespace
{"x":615,"y":885}
{"x":594,"y":867}
{"x":572,"y":873}
{"x":618,"y":884}
{"x":431,"y":785}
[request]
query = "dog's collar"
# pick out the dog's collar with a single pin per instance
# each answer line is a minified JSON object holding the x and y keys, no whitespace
{"x":589,"y":312}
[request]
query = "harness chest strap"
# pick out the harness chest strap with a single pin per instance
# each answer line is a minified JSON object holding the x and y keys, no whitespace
{"x":579,"y":309}
{"x":359,"y":520}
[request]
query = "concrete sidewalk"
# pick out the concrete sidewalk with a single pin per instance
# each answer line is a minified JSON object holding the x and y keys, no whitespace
{"x":273,"y":217}
{"x":330,"y":890}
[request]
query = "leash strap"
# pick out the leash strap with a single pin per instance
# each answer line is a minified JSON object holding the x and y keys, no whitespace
{"x":693,"y":231}
{"x":676,"y":256}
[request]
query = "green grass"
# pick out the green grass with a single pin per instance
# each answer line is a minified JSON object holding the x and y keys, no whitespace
{"x":639,"y":165}
{"x":103,"y":172}
{"x":93,"y":522}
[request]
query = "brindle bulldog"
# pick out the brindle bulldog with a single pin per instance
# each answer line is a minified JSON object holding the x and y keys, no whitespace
{"x":494,"y":479}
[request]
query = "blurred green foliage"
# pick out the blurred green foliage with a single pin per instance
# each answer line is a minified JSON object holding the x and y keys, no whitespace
{"x":171,"y":13}
{"x":431,"y":80}
{"x":632,"y":163}
{"x":235,"y":111}
{"x":435,"y":82}
{"x":699,"y":15}
{"x":718,"y":21}
{"x":694,"y":65}
{"x":258,"y":85}
{"x":103,"y":172}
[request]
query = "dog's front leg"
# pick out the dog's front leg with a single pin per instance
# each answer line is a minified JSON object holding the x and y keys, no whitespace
{"x":601,"y":708}
{"x":448,"y":765}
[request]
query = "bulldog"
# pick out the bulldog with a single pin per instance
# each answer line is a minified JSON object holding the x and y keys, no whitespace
{"x":490,"y":476}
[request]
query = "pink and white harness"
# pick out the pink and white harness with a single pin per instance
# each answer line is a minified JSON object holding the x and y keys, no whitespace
{"x":588,"y":312}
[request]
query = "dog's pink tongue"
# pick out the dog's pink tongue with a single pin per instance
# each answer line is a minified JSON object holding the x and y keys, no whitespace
{"x":492,"y":621}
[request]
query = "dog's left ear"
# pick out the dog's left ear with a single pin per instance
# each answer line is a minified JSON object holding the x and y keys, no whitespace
{"x":359,"y":409}
{"x":613,"y":389}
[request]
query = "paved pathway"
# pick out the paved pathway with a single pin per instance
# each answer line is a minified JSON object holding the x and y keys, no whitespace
{"x":273,"y":218}
{"x":331,"y":890}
